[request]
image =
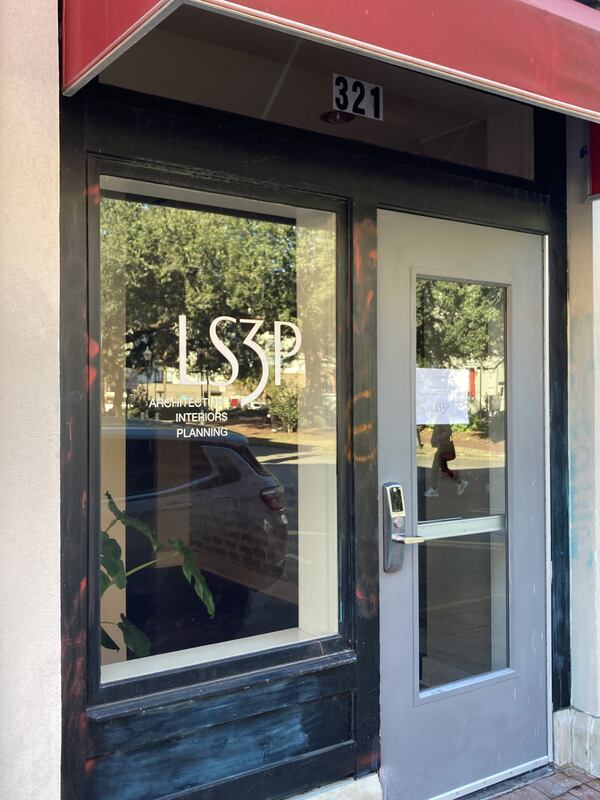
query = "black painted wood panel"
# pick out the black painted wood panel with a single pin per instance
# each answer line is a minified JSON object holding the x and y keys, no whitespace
{"x":555,"y":171}
{"x":74,"y":434}
{"x":203,"y":757}
{"x":120,"y":726}
{"x":295,"y":775}
{"x":366,"y":482}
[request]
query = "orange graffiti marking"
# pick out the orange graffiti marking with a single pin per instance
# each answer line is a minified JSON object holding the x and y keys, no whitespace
{"x":364,"y":395}
{"x":93,"y":192}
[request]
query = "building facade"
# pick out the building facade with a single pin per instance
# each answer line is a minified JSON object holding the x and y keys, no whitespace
{"x":300,"y":463}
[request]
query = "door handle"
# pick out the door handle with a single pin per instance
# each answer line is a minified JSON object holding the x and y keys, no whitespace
{"x":401,"y":539}
{"x":394,"y":526}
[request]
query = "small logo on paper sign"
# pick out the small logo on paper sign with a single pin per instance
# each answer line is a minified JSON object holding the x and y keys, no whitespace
{"x":442,"y":396}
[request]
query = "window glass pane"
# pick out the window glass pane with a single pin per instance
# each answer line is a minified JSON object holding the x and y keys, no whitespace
{"x":461,"y":478}
{"x":461,"y":399}
{"x":218,"y":427}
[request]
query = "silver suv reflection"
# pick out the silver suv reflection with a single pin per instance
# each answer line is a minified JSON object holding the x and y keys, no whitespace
{"x":210,"y":492}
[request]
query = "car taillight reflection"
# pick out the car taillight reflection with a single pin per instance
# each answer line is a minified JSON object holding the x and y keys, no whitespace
{"x":274,"y":498}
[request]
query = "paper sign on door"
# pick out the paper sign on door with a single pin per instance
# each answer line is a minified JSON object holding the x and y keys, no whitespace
{"x":442,"y":396}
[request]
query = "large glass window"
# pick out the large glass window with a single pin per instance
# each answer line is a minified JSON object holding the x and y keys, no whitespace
{"x":218,"y":426}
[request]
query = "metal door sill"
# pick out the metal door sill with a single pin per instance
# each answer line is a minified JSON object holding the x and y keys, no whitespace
{"x":502,"y":782}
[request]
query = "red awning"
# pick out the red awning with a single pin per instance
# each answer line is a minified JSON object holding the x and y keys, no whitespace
{"x":545,"y":52}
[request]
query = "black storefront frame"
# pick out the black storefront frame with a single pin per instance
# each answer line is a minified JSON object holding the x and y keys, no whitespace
{"x":320,"y":649}
{"x":142,"y":136}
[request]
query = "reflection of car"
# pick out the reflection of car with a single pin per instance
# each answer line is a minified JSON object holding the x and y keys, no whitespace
{"x":209,"y":491}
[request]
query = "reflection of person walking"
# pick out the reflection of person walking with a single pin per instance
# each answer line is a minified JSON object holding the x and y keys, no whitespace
{"x":441,"y":439}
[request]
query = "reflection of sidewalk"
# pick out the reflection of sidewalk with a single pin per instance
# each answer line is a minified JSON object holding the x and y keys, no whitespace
{"x":263,"y":436}
{"x":293,"y":457}
{"x":475,"y":459}
{"x":473,"y":451}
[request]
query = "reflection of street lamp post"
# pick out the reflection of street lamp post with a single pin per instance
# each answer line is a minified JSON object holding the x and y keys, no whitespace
{"x":147,"y":355}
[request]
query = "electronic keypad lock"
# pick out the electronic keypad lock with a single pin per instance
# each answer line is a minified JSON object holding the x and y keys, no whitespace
{"x":394,"y":527}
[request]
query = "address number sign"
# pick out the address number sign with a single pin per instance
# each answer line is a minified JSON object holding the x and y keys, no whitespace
{"x":357,"y":97}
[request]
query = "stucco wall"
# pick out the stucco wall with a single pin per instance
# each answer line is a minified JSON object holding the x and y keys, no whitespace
{"x":584,"y":424}
{"x":578,"y":729}
{"x":29,"y":402}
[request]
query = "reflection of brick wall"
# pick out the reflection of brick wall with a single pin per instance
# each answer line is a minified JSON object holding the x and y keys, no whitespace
{"x":262,"y":553}
{"x":251,"y":557}
{"x":290,"y":571}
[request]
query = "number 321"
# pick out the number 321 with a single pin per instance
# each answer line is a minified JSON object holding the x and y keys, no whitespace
{"x":357,"y":97}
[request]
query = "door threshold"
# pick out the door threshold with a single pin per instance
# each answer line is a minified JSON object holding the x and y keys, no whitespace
{"x":509,"y":785}
{"x":492,"y":786}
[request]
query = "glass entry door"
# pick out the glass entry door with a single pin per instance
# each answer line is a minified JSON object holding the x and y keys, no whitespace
{"x":461,"y":443}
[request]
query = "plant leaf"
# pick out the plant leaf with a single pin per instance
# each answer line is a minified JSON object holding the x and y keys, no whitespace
{"x":107,"y":641}
{"x":194,"y":576}
{"x":110,"y":559}
{"x":105,"y":582}
{"x":132,"y":522}
{"x":135,"y":639}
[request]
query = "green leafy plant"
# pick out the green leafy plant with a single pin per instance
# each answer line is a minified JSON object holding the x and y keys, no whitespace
{"x":113,"y":573}
{"x":283,"y":404}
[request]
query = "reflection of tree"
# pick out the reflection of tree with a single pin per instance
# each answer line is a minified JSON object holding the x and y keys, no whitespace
{"x":159,"y":262}
{"x":459,"y":323}
{"x":316,"y":251}
{"x":283,"y":405}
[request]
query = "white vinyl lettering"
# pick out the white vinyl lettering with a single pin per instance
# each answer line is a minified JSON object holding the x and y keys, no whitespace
{"x":224,"y":350}
{"x":183,"y":376}
{"x":218,"y":344}
{"x":249,"y":342}
{"x":278,"y":354}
